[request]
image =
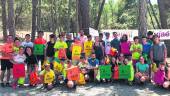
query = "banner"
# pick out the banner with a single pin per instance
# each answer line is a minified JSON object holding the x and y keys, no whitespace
{"x":76,"y":52}
{"x":88,"y":45}
{"x":39,"y":49}
{"x":73,"y":73}
{"x":105,"y":71}
{"x":124,"y":71}
{"x":18,"y":70}
{"x":164,"y":34}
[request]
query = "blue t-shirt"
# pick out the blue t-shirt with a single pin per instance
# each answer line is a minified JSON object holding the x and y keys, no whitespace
{"x":93,"y":62}
{"x":146,"y":48}
{"x":142,"y":67}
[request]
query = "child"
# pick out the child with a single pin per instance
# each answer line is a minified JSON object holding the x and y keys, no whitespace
{"x":18,"y":59}
{"x":167,"y":79}
{"x":31,"y":61}
{"x":6,"y":65}
{"x":27,"y":42}
{"x":50,"y":49}
{"x":40,"y":41}
{"x":93,"y":67}
{"x":142,"y":71}
{"x":88,"y":46}
{"x":83,"y":64}
{"x":159,"y":76}
{"x":121,"y":59}
{"x":16,"y":46}
{"x":70,"y":83}
{"x":125,"y":46}
{"x":131,"y":78}
{"x":47,"y":77}
{"x":114,"y":65}
{"x":136,"y":49}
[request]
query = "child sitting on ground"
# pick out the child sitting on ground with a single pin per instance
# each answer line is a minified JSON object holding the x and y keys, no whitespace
{"x":142,"y":71}
{"x":160,"y":77}
{"x":47,"y":77}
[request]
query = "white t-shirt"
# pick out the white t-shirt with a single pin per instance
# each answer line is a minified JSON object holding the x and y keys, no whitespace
{"x":27,"y":44}
{"x":19,"y":58}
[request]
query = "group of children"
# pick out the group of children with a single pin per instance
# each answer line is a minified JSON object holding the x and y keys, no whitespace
{"x":131,"y":61}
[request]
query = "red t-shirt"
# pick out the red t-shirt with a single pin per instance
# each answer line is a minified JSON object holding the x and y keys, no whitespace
{"x":40,"y":41}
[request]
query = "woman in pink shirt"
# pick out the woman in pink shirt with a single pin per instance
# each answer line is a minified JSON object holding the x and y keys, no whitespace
{"x":125,"y":46}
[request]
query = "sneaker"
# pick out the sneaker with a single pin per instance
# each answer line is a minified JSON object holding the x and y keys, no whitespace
{"x":2,"y":85}
{"x":8,"y":85}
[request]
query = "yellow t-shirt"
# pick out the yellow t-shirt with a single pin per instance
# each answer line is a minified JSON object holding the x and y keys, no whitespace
{"x":59,"y":45}
{"x":49,"y":76}
{"x":136,"y":55}
{"x":88,"y":46}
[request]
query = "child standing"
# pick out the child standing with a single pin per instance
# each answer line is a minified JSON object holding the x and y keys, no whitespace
{"x":18,"y":59}
{"x":7,"y":50}
{"x":136,"y":49}
{"x":50,"y":49}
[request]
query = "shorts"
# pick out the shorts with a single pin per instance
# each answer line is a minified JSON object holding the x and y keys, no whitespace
{"x":6,"y":64}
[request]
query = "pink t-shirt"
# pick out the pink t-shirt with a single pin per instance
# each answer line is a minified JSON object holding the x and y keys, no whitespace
{"x":159,"y":77}
{"x":125,"y":47}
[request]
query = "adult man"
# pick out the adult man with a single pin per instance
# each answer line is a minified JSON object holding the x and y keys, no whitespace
{"x":158,"y":52}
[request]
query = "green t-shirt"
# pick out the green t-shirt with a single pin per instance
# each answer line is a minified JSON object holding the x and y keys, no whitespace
{"x":59,"y":45}
{"x":142,"y":67}
{"x":136,"y":55}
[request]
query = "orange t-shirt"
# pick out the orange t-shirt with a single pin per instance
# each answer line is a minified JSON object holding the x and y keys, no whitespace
{"x":6,"y":51}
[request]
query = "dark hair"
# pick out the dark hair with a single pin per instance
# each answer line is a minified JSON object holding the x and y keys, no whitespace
{"x":27,"y":35}
{"x":155,"y":36}
{"x":144,"y":37}
{"x":100,"y":34}
{"x":136,"y":37}
{"x":26,"y":50}
{"x":16,"y":39}
{"x":150,"y":33}
{"x":124,"y":35}
{"x":60,"y":35}
{"x":107,"y":33}
{"x":114,"y":32}
{"x":52,"y":36}
{"x":89,"y":36}
{"x":40,"y":31}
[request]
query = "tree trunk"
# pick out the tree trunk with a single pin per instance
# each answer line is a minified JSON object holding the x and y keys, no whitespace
{"x":34,"y":18}
{"x":163,"y":15}
{"x":39,"y":16}
{"x":4,"y":19}
{"x":151,"y":17}
{"x":153,"y":11}
{"x":142,"y":18}
{"x":99,"y":15}
{"x":84,"y":19}
{"x":11,"y":19}
{"x":163,"y":19}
